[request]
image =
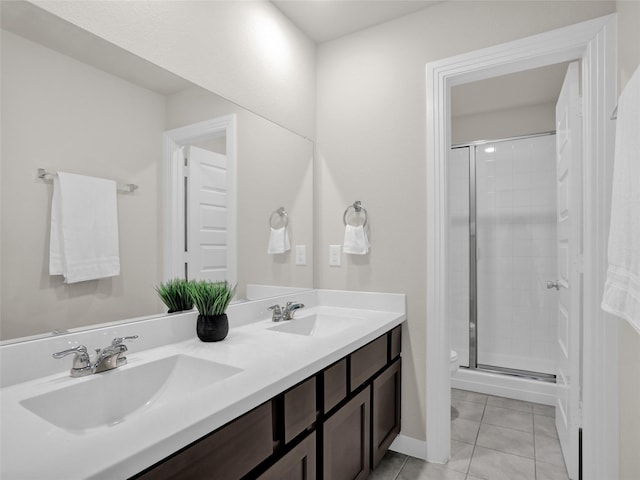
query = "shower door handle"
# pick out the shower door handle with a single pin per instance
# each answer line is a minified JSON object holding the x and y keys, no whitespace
{"x":551,"y":284}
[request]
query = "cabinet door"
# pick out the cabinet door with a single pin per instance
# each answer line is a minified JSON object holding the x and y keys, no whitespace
{"x":298,"y":464}
{"x":385,"y":410}
{"x":346,"y":440}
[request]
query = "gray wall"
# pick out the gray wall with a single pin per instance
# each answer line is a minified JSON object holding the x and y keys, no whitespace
{"x":44,"y":105}
{"x":371,"y":147}
{"x":247,"y":52}
{"x":628,"y":62}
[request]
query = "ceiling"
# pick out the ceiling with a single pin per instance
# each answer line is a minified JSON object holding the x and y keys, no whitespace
{"x":531,"y":87}
{"x":324,"y":20}
{"x":327,"y":18}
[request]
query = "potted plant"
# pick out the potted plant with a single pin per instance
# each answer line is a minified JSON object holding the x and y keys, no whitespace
{"x":211,"y":299}
{"x":176,"y":294}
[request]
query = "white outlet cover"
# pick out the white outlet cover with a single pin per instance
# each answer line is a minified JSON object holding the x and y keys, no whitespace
{"x":334,"y":255}
{"x":301,"y":254}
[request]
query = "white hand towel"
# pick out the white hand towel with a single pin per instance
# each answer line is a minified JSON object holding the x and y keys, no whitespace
{"x":84,"y":228}
{"x":622,"y":288}
{"x":278,"y":241}
{"x":355,"y":240}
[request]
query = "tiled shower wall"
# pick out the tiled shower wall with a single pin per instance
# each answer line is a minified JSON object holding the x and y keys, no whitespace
{"x":516,"y":239}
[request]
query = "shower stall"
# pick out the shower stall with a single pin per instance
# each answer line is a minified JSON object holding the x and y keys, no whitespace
{"x":502,"y":258}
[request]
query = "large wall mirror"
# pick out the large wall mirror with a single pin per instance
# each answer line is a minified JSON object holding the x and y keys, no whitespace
{"x":73,"y":102}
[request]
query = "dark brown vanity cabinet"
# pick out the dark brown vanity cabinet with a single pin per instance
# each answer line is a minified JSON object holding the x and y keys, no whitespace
{"x":334,"y":425}
{"x":347,"y":439}
{"x":298,"y":464}
{"x":357,"y":434}
{"x":229,"y":453}
{"x":385,"y":411}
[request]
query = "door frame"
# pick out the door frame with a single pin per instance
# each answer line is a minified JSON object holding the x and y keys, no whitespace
{"x":594,"y":43}
{"x":173,"y":188}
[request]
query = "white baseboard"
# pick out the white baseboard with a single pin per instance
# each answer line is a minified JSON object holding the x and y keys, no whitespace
{"x":505,"y":386}
{"x":410,"y":446}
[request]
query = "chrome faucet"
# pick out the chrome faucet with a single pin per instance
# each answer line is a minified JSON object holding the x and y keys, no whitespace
{"x":285,"y":313}
{"x":107,"y":358}
{"x":290,"y":309}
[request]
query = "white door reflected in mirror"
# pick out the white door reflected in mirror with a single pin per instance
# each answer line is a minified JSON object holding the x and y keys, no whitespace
{"x":207,"y":216}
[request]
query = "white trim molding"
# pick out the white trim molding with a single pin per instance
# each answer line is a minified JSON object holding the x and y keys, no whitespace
{"x":593,"y":43}
{"x":409,"y":446}
{"x":173,"y":214}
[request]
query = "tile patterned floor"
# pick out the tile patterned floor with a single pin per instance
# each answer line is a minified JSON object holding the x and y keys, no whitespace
{"x":492,"y":438}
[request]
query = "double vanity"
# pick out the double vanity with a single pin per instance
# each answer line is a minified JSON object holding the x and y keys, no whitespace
{"x":317,"y":396}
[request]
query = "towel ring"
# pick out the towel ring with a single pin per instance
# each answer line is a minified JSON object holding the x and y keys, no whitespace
{"x":357,"y":207}
{"x":279,"y":214}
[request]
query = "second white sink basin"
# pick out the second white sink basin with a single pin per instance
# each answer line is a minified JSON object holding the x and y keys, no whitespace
{"x":108,"y":398}
{"x":316,"y":324}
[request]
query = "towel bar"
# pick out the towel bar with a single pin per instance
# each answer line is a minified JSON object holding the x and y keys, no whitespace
{"x":357,"y":207}
{"x":279,"y":214}
{"x":122,"y":187}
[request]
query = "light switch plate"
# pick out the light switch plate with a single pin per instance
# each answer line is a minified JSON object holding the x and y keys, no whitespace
{"x":334,"y":255}
{"x":301,"y":254}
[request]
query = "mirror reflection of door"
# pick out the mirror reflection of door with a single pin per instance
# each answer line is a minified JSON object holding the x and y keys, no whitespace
{"x":206,"y":207}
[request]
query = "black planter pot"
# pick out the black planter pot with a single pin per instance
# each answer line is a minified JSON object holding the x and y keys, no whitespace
{"x":212,"y":328}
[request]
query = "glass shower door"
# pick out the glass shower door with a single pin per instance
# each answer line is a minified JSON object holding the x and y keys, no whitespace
{"x":516,"y":254}
{"x":458,"y":244}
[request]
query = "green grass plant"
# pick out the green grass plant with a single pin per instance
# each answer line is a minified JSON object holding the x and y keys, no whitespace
{"x":176,"y":294}
{"x":211,"y":298}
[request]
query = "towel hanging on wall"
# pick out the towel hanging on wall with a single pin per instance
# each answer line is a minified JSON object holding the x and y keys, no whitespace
{"x":622,"y":288}
{"x":278,"y":241}
{"x":84,"y":228}
{"x":278,"y":234}
{"x":355,"y":241}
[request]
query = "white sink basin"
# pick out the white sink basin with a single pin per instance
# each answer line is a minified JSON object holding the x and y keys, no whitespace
{"x":316,"y":324}
{"x":108,"y":398}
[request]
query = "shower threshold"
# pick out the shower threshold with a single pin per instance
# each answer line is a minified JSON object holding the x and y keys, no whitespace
{"x":542,"y":377}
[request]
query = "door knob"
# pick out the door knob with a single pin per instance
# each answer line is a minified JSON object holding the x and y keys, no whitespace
{"x":552,"y":284}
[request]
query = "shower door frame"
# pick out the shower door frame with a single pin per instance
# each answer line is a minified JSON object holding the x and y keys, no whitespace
{"x":473,"y":267}
{"x":593,"y":42}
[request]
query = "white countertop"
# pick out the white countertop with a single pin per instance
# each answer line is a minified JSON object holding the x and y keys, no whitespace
{"x":271,"y":362}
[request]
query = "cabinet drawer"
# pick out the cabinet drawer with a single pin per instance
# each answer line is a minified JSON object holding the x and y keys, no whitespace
{"x":335,"y":384}
{"x":396,"y":342}
{"x":299,"y":409}
{"x":227,"y":454}
{"x":298,"y":464}
{"x":367,"y":361}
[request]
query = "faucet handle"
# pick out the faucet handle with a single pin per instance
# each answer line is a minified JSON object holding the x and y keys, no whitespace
{"x":277,"y":313}
{"x":120,"y":340}
{"x":81,"y":359}
{"x":275,"y":308}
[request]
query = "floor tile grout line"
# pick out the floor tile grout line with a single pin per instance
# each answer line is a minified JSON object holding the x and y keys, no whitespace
{"x":475,"y":443}
{"x":535,"y":453}
{"x":406,"y":459}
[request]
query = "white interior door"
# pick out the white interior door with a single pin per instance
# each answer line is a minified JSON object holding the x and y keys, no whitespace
{"x":569,"y":282}
{"x":207,"y":215}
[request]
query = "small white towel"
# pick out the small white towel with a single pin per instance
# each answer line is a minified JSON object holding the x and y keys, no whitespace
{"x":278,"y":241}
{"x":84,"y":228}
{"x":355,"y":240}
{"x":622,"y":288}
